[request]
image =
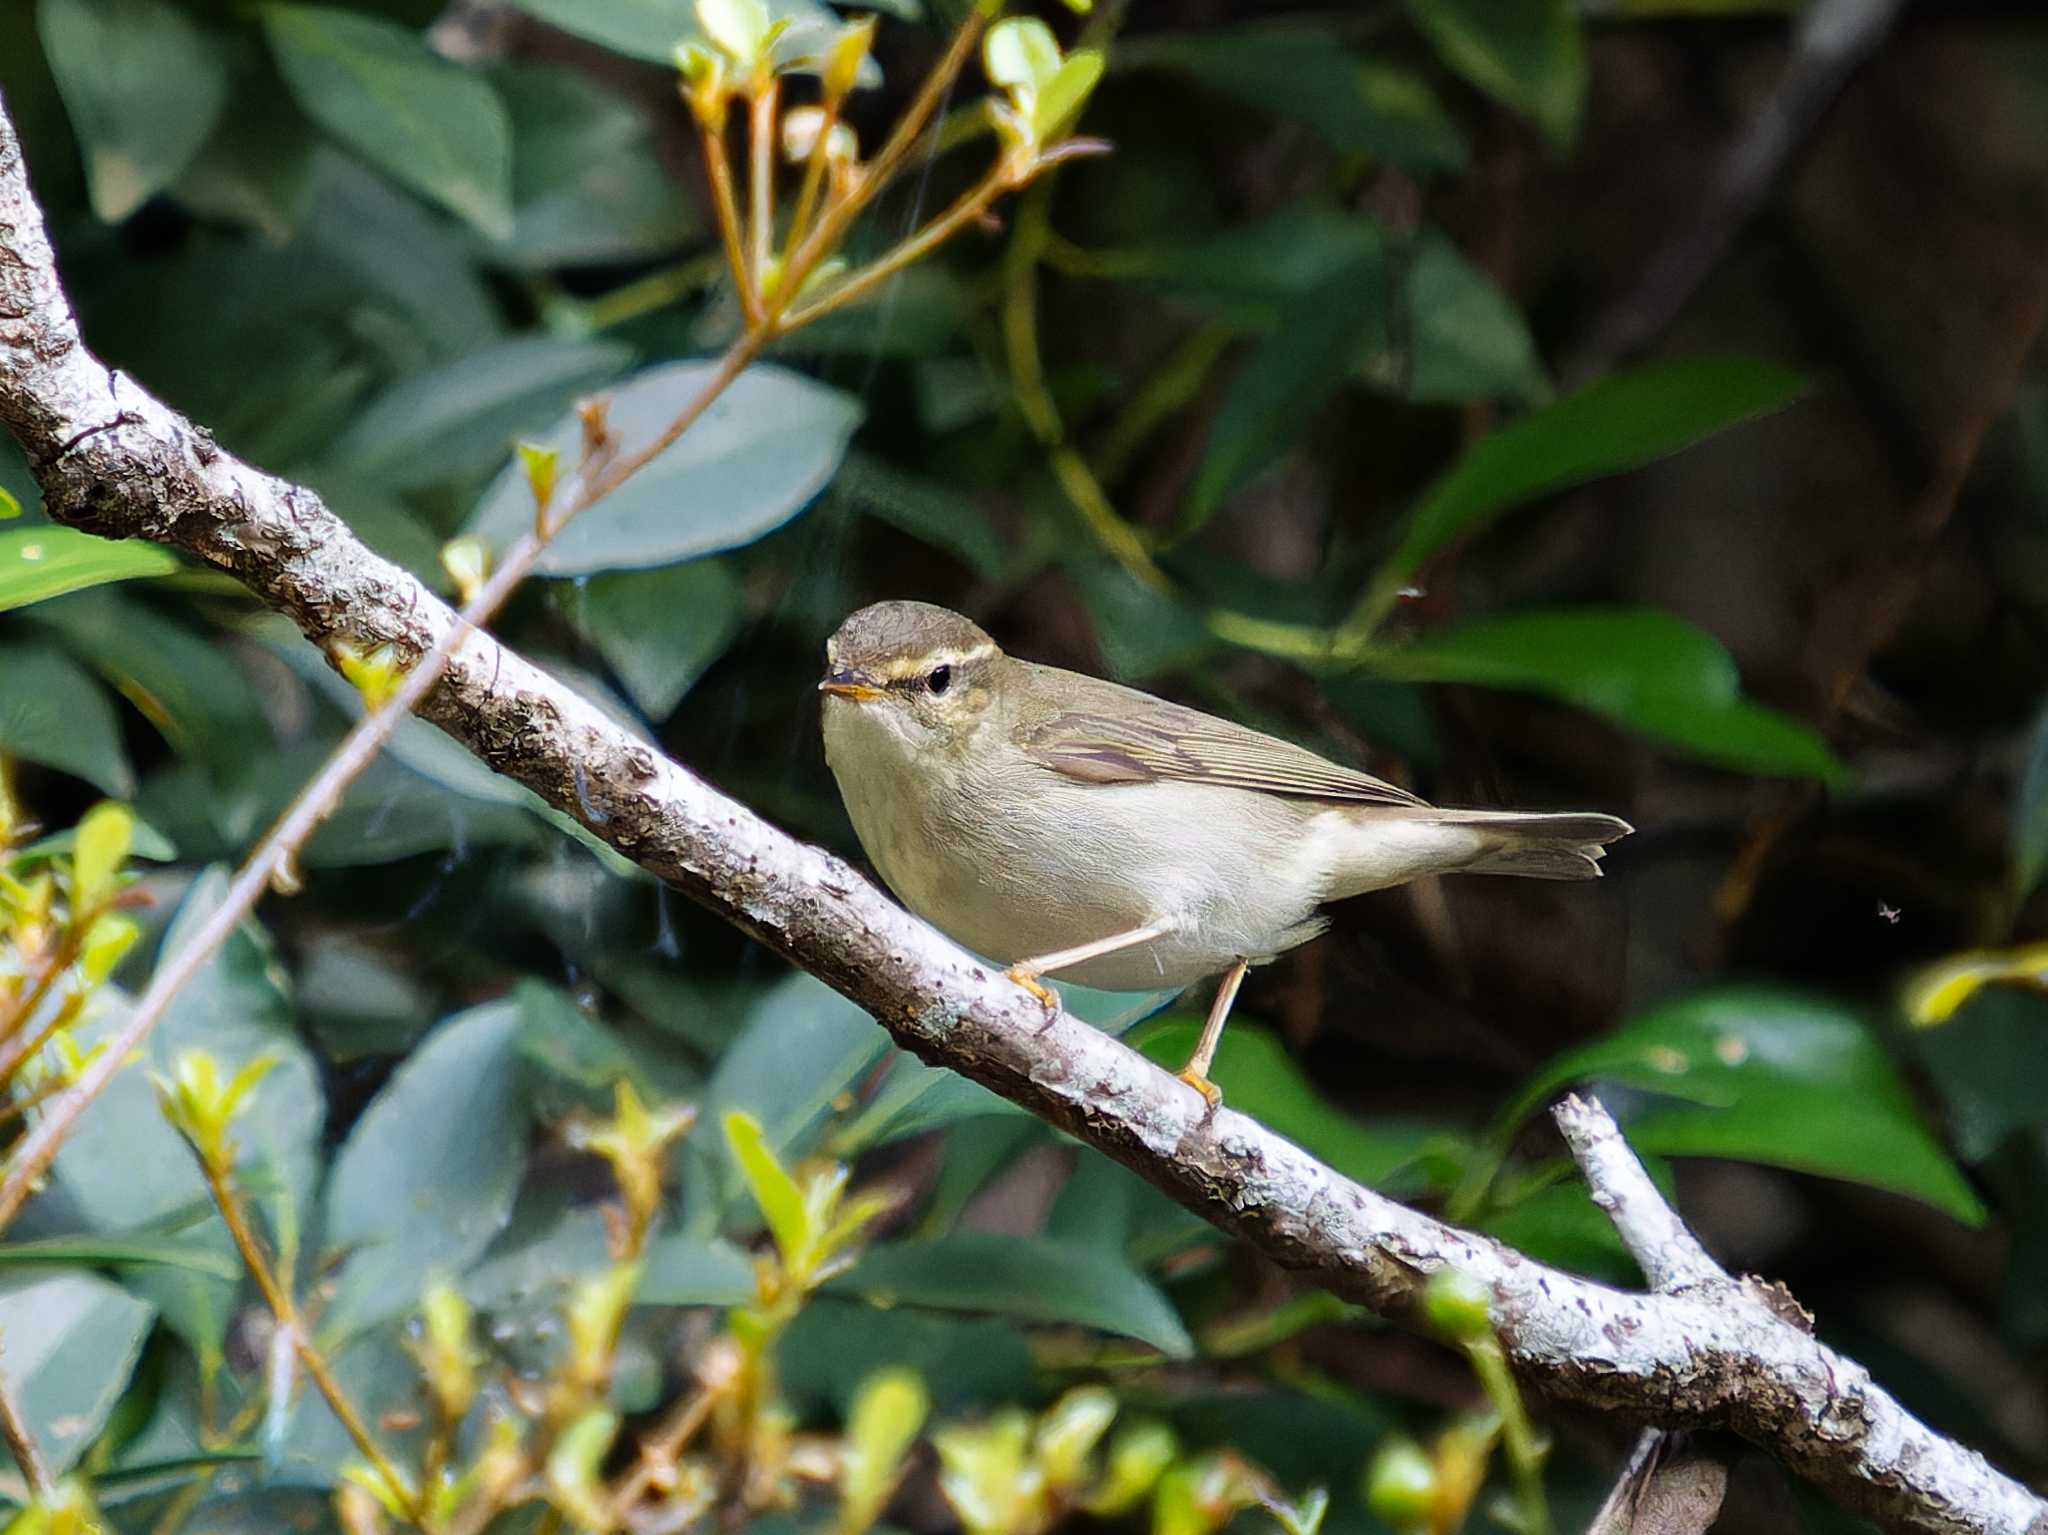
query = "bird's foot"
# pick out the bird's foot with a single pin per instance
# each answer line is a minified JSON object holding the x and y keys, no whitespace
{"x":1211,"y":1093}
{"x":1036,"y":987}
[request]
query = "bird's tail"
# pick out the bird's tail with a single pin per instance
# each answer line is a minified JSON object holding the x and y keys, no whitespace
{"x":1390,"y":845}
{"x":1539,"y":845}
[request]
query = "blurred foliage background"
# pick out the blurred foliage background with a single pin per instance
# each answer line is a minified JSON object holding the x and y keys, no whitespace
{"x":1434,"y":383}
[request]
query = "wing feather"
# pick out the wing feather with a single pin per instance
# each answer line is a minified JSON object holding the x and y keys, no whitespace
{"x":1136,"y":738}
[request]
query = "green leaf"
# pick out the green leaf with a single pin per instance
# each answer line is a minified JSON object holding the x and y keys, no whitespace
{"x":1621,"y":422}
{"x":104,"y":833}
{"x":658,"y":630}
{"x":752,"y":461}
{"x":427,"y":1176}
{"x":1254,"y":275}
{"x":1061,"y":99}
{"x":587,"y":185}
{"x":1646,"y":668}
{"x":1770,"y":1076}
{"x":685,"y":1270}
{"x":184,"y":684}
{"x":71,"y":1343}
{"x":1466,"y":341}
{"x":926,"y":509}
{"x":1357,"y":105}
{"x":776,"y":1195}
{"x":1985,"y":1062}
{"x":650,"y":29}
{"x":835,"y":1345}
{"x":2030,"y":814}
{"x":797,"y":1019}
{"x":1529,"y":53}
{"x":54,"y":713}
{"x":1260,"y":1078}
{"x":1028,"y":1278}
{"x":120,"y":1252}
{"x":378,"y":88}
{"x":1320,"y":340}
{"x":461,"y":418}
{"x":144,"y":87}
{"x":10,"y":504}
{"x":1020,"y":53}
{"x":36,"y":563}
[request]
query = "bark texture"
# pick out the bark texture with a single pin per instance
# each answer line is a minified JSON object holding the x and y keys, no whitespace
{"x":1705,"y":1352}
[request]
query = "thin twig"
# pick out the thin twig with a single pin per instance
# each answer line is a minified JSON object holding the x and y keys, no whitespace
{"x":21,"y":1443}
{"x":1667,"y":1252}
{"x":725,"y":211}
{"x":762,"y":118}
{"x":838,"y":217}
{"x":286,"y":1312}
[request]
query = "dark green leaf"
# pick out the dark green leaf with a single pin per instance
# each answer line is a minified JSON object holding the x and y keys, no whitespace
{"x":184,"y":684}
{"x":755,"y":458}
{"x":658,"y":630}
{"x":116,"y":1252}
{"x":462,"y":418}
{"x":144,"y":87}
{"x":1260,"y":1078}
{"x":1254,"y":274}
{"x":798,"y":1019}
{"x":834,"y":1346}
{"x":257,"y":167}
{"x":1465,"y":340}
{"x":2030,"y":814}
{"x":52,"y":712}
{"x":925,"y":509}
{"x":1368,"y":107}
{"x":587,"y":187}
{"x":439,"y":129}
{"x":36,"y":563}
{"x":72,"y":1341}
{"x":686,"y":1270}
{"x":427,"y":1176}
{"x":1028,"y":1278}
{"x":1986,"y":1064}
{"x":1320,"y":340}
{"x":1143,"y":632}
{"x":1529,"y":53}
{"x":1621,"y":422}
{"x":1644,"y":667}
{"x":646,"y":29}
{"x":1768,"y":1076}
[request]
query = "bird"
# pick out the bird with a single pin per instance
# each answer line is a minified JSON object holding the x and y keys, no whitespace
{"x":1061,"y":824}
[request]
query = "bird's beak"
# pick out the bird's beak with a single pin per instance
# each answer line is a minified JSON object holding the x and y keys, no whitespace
{"x":850,"y":685}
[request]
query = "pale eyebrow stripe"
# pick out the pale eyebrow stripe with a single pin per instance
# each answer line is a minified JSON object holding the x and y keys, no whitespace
{"x":913,"y":666}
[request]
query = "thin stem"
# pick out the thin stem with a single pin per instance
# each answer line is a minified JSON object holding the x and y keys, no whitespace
{"x":838,"y":217}
{"x":964,"y":211}
{"x":273,"y":858}
{"x":282,"y":1307}
{"x":761,"y":122}
{"x":1524,"y":1446}
{"x":725,"y":209}
{"x":21,"y":1441}
{"x":814,"y":180}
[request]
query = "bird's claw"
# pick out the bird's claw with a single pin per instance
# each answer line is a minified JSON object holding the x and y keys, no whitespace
{"x":1211,"y":1093}
{"x":1037,"y":988}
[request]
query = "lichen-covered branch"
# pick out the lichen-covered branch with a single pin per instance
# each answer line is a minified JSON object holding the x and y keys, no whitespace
{"x":114,"y":460}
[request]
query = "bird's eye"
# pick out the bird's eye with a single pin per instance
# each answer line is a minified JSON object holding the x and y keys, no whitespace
{"x":939,"y":679}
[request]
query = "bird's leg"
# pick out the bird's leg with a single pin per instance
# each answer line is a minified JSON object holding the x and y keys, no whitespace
{"x":1026,"y":972}
{"x":1196,"y":1072}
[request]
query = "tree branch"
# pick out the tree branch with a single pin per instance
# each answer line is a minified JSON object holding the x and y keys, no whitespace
{"x":114,"y":460}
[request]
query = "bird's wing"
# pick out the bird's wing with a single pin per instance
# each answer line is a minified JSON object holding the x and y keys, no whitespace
{"x":1116,"y":735}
